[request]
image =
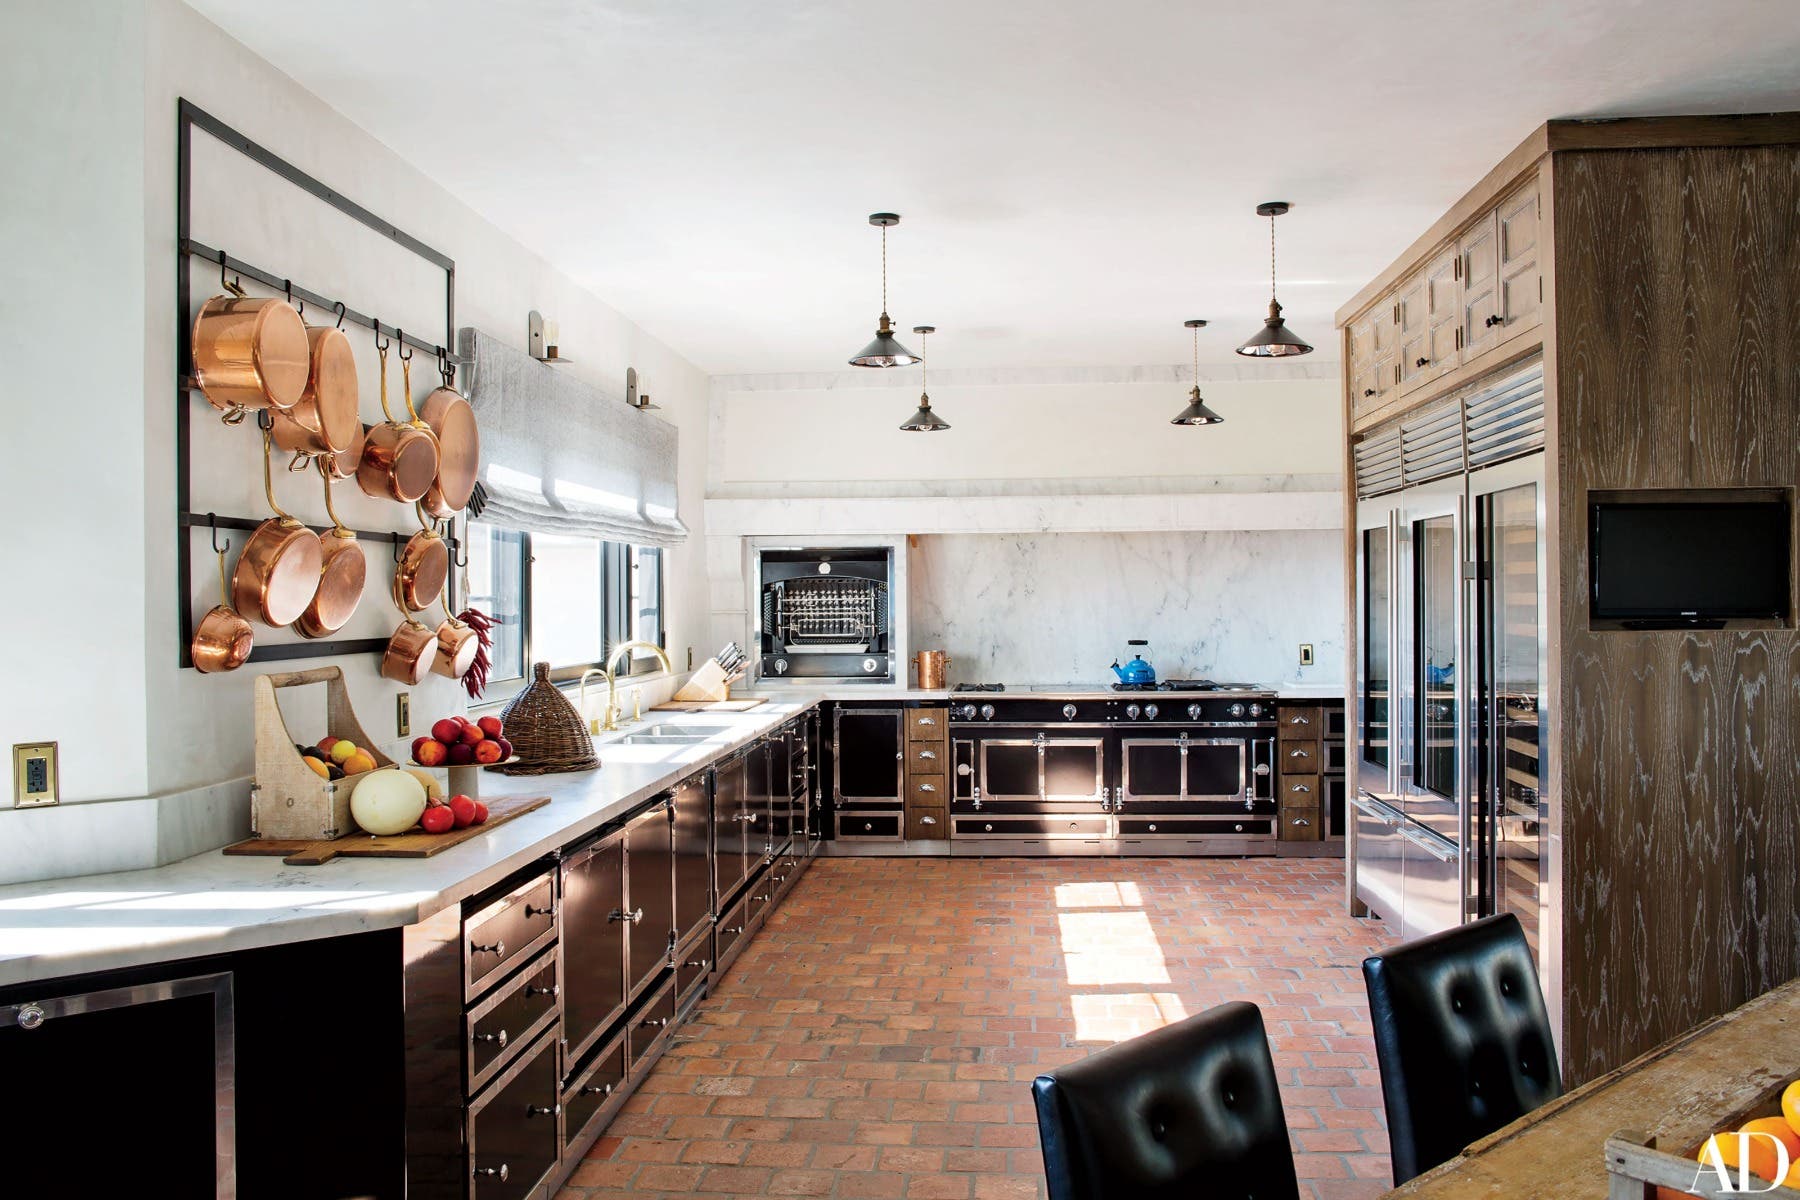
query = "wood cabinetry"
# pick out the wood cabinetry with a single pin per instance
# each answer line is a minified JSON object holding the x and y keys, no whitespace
{"x":1373,"y":358}
{"x":1521,"y":288}
{"x":1309,"y":753}
{"x":927,"y":784}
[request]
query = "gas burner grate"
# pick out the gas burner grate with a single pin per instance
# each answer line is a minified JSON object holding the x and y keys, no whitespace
{"x":979,"y":687}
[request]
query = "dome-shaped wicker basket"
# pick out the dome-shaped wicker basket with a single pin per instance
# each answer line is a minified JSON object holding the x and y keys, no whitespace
{"x":548,"y":736}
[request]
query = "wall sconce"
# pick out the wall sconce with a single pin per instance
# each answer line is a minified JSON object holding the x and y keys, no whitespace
{"x":541,"y":339}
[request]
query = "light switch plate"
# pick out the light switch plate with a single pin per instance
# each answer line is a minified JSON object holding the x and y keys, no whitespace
{"x":34,"y":774}
{"x":403,"y":714}
{"x":1306,"y":654}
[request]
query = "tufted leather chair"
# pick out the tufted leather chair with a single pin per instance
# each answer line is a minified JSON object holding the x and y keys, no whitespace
{"x":1186,"y":1112}
{"x":1462,"y":1038}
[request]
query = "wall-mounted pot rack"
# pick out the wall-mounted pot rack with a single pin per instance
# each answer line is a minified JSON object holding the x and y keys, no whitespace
{"x":192,"y":118}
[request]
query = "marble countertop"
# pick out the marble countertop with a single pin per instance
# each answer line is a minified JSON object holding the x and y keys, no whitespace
{"x":212,"y":904}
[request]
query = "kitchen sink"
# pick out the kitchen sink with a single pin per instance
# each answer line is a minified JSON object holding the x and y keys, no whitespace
{"x":670,"y":735}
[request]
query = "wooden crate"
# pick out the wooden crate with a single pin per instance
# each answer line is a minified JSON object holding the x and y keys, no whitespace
{"x":1636,"y":1168}
{"x":288,"y":800}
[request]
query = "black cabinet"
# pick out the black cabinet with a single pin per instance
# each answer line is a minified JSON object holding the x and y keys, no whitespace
{"x":731,"y":834}
{"x":649,"y":917}
{"x":758,"y":803}
{"x":781,"y":790}
{"x":593,"y":940}
{"x":866,"y":757}
{"x":692,"y":802}
{"x":513,"y":1128}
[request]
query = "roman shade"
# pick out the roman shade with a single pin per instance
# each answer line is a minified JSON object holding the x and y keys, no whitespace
{"x":558,"y":455}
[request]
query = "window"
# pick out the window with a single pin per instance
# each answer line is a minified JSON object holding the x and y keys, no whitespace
{"x":564,"y":600}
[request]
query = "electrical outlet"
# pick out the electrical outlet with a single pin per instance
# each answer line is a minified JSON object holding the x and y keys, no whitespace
{"x":1306,"y":654}
{"x":403,"y":714}
{"x":34,"y":774}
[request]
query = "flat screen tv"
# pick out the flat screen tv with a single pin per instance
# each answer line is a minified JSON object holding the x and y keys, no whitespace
{"x":1676,"y":563}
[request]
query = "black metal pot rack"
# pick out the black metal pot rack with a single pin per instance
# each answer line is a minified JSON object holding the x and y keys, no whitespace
{"x":191,"y":118}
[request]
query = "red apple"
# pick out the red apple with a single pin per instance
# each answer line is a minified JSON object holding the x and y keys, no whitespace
{"x":327,"y":742}
{"x":437,"y":818}
{"x":487,"y":752}
{"x":461,"y":754}
{"x":491,"y":726}
{"x":480,"y":817}
{"x":431,"y":754}
{"x":446,"y":731}
{"x":462,"y":811}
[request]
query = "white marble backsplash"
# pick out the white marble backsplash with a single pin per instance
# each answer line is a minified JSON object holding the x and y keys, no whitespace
{"x":1059,"y":607}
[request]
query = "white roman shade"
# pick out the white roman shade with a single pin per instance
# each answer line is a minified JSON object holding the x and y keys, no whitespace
{"x":561,"y":456}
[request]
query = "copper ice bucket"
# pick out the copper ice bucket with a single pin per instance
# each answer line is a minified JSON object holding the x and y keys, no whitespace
{"x":929,"y":666}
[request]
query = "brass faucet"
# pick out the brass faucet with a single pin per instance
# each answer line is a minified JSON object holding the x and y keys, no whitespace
{"x":623,"y":650}
{"x":581,"y":706}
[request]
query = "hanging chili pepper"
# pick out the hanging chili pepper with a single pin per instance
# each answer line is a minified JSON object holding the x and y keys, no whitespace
{"x":475,"y":681}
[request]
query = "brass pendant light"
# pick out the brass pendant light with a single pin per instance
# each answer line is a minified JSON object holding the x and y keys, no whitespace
{"x":1196,"y":413}
{"x":924,"y":421}
{"x":1274,"y":339}
{"x":884,"y":351}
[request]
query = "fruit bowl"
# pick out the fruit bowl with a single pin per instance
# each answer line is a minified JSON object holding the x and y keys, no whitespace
{"x":460,"y":747}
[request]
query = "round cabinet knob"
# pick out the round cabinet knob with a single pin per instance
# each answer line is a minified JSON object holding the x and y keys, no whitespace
{"x":1153,"y":828}
{"x":542,"y":1110}
{"x":1421,"y":362}
{"x":497,"y":948}
{"x":1133,"y":711}
{"x":30,"y":1016}
{"x":868,"y":825}
{"x":534,"y":990}
{"x":597,"y":1089}
{"x":1236,"y":709}
{"x":987,"y":829}
{"x":499,"y":1039}
{"x":1368,"y":392}
{"x":968,"y":712}
{"x":1494,"y":320}
{"x":987,"y":712}
{"x":1239,"y":828}
{"x":1068,"y":712}
{"x":500,"y":1172}
{"x":1150,"y":710}
{"x":633,"y":916}
{"x":781,"y":666}
{"x":1193,"y":712}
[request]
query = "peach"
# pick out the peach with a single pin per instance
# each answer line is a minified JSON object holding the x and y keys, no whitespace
{"x":487,"y":752}
{"x":446,"y":731}
{"x":431,"y":754}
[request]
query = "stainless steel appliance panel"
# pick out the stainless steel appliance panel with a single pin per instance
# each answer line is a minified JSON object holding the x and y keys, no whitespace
{"x":693,"y":859}
{"x":1433,"y":881}
{"x":1380,"y":859}
{"x":649,"y":895}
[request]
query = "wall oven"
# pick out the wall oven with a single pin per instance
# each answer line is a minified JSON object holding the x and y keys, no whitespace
{"x":825,"y":613}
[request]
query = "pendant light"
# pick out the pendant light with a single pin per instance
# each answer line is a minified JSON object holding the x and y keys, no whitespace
{"x":884,"y":351}
{"x":924,"y":421}
{"x":1274,"y":339}
{"x":1196,"y":413}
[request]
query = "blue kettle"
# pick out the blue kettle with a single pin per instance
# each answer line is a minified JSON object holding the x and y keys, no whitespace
{"x":1137,"y":670}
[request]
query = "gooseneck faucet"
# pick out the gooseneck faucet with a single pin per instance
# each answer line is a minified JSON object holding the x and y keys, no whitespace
{"x":621,"y":651}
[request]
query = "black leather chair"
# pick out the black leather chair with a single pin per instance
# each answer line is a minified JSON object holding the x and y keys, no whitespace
{"x":1462,"y":1039}
{"x":1187,"y":1112}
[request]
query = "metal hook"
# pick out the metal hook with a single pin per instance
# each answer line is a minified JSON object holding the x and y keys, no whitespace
{"x":212,"y":521}
{"x":462,"y":548}
{"x":445,"y":370}
{"x":381,"y":347}
{"x":341,"y":308}
{"x":234,"y":286}
{"x":287,"y":288}
{"x":397,"y":547}
{"x":405,"y":350}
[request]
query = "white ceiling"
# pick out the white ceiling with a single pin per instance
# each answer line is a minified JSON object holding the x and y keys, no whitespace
{"x":1076,"y":177}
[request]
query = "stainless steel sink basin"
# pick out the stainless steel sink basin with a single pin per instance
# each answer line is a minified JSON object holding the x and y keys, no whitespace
{"x":670,"y":735}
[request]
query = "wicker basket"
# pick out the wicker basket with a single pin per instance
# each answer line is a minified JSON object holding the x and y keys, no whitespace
{"x":546,"y":732}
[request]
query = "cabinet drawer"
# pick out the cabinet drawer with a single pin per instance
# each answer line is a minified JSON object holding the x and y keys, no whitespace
{"x":691,"y":974}
{"x":1036,"y":827}
{"x":1302,"y":722}
{"x":927,"y":758}
{"x":1298,"y":791}
{"x":591,"y":1088}
{"x":927,"y":824}
{"x":926,"y":724}
{"x":731,"y":929}
{"x":1300,"y":825}
{"x":868,"y":825}
{"x":1161,"y":827}
{"x":503,"y":933}
{"x":1298,"y":758}
{"x":509,"y":1018}
{"x":648,"y":1024}
{"x":512,"y":1129}
{"x":926,"y":791}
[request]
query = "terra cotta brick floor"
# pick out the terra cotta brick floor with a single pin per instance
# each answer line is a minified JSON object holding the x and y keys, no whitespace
{"x":879,"y":1037}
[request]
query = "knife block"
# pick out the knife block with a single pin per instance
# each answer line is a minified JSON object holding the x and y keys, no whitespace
{"x":709,"y":684}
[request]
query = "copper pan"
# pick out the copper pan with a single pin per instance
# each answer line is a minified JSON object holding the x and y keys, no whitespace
{"x":343,"y":464}
{"x":277,"y":575}
{"x":409,"y":652}
{"x":223,"y":639}
{"x":325,"y":419}
{"x":249,"y":353}
{"x":452,"y":419}
{"x":423,"y":568}
{"x":399,"y":458}
{"x":457,"y":644}
{"x":342,"y":574}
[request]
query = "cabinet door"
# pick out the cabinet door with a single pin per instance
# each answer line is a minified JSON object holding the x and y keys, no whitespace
{"x":758,"y":805}
{"x":866,"y":756}
{"x":593,"y":940}
{"x":649,"y":894}
{"x":781,"y":790}
{"x":1443,"y":315}
{"x":1412,"y":325}
{"x":1150,"y":773}
{"x":1480,"y":250}
{"x":1074,"y":768}
{"x":1521,"y":278}
{"x":693,"y":870}
{"x":1010,"y":769}
{"x":728,"y":813}
{"x":1372,"y":358}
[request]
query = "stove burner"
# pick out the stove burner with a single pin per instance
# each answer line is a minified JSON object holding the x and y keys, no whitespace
{"x":1184,"y":685}
{"x":979,"y":687}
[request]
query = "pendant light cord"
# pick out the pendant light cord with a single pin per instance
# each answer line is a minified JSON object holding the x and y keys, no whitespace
{"x":1271,"y":263}
{"x":884,"y":267}
{"x":924,"y":388}
{"x":1196,"y":356}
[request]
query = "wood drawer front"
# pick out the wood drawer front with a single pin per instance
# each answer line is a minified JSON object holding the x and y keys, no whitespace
{"x":592,"y":1088}
{"x":927,"y":824}
{"x":1298,"y":791}
{"x":1301,"y":723}
{"x":1299,"y":758}
{"x":500,"y":935}
{"x":868,"y":825}
{"x":926,"y":758}
{"x":512,"y":1129}
{"x":509,"y":1018}
{"x":652,"y":1021}
{"x":927,"y":724}
{"x":926,"y":791}
{"x":1300,"y":825}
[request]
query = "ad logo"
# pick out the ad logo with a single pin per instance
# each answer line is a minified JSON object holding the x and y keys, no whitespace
{"x":1749,"y":1151}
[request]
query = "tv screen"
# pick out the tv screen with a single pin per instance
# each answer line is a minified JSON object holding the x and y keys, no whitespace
{"x":1682,"y":562}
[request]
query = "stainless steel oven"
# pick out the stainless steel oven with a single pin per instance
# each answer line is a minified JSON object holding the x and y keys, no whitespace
{"x":825,"y":613}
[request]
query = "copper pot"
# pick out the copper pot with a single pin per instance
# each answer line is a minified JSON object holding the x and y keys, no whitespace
{"x":457,"y":645}
{"x":249,"y":353}
{"x":325,"y":419}
{"x":342,"y":573}
{"x":343,"y":464}
{"x":409,"y":652}
{"x":277,"y":575}
{"x":930,"y":664}
{"x":423,"y":568}
{"x":223,"y":639}
{"x":399,"y":458}
{"x":452,"y":419}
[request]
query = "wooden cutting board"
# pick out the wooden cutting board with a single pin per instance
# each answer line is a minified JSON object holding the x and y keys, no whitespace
{"x":413,"y":844}
{"x":709,"y":705}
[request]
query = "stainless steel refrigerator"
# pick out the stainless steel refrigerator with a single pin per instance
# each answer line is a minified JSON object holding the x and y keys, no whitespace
{"x":1449,"y":820}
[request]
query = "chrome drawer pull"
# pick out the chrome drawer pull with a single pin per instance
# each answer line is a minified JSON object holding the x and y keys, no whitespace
{"x":928,"y":787}
{"x":1299,"y":720}
{"x":927,"y":720}
{"x":541,"y":1110}
{"x":500,"y":1172}
{"x":601,"y":1089}
{"x":497,"y":948}
{"x":535,"y":990}
{"x":1297,"y":752}
{"x":928,"y":754}
{"x":1301,"y":821}
{"x":633,"y":916}
{"x":532,"y":910}
{"x":928,"y":820}
{"x":655,"y":1022}
{"x":498,"y":1039}
{"x":1299,"y":787}
{"x":697,"y":962}
{"x":735,"y":929}
{"x":764,"y":899}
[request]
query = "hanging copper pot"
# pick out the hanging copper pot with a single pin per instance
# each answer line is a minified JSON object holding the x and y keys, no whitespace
{"x":409,"y":652}
{"x":325,"y":420}
{"x":457,"y":645}
{"x":249,"y":353}
{"x":399,"y":458}
{"x":342,"y":573}
{"x":223,"y":639}
{"x":277,"y":575}
{"x":423,"y":568}
{"x":452,"y":419}
{"x":343,"y":464}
